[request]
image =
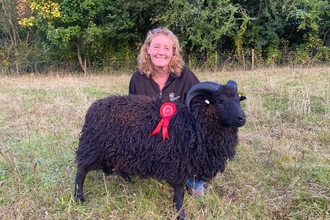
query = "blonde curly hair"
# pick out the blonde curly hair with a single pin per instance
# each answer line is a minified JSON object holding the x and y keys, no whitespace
{"x":144,"y":62}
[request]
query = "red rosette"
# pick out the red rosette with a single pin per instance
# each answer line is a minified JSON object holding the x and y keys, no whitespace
{"x":166,"y":111}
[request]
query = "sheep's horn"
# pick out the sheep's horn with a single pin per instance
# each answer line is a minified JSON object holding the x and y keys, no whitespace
{"x":232,"y":83}
{"x":201,"y":87}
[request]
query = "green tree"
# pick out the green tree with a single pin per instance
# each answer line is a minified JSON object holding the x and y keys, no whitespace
{"x":9,"y":33}
{"x":96,"y":30}
{"x":312,"y":17}
{"x":200,"y":25}
{"x":276,"y":26}
{"x":91,"y":26}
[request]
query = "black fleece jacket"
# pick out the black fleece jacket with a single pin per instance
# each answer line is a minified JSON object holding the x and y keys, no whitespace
{"x":175,"y":89}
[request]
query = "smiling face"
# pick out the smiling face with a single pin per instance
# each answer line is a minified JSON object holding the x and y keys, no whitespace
{"x":160,"y":51}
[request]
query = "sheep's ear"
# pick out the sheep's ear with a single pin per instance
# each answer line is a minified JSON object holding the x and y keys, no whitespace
{"x":241,"y":98}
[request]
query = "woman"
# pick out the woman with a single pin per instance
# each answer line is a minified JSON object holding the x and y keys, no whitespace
{"x":162,"y":73}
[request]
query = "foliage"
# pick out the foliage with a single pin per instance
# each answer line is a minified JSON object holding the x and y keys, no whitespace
{"x":276,"y":24}
{"x":102,"y":31}
{"x":274,"y":54}
{"x":45,"y":9}
{"x":200,"y":25}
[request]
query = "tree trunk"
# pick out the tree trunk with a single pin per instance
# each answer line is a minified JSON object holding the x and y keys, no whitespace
{"x":325,"y":37}
{"x":252,"y":61}
{"x":81,"y":63}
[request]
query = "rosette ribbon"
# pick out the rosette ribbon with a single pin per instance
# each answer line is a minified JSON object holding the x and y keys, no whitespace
{"x":166,"y":111}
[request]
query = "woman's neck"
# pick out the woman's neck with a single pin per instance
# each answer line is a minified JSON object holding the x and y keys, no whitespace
{"x":161,"y":77}
{"x":161,"y":72}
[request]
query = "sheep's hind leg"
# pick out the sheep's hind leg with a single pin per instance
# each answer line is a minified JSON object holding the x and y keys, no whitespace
{"x":107,"y":170}
{"x":79,"y":183}
{"x":178,"y":200}
{"x":125,"y":176}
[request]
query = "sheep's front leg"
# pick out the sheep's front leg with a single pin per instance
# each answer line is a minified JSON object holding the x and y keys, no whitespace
{"x":79,"y":182}
{"x":178,"y":200}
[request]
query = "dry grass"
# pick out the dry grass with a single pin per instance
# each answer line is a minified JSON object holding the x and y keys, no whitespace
{"x":281,"y":171}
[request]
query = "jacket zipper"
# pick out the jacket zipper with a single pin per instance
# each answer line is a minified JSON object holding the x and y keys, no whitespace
{"x":161,"y":91}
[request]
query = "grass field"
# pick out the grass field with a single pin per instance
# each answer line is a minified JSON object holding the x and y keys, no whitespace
{"x":281,"y":170}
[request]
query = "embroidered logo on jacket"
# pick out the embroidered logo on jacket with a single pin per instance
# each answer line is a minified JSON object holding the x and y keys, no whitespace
{"x":172,"y":98}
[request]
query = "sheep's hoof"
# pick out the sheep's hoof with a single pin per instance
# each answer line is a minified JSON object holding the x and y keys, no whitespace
{"x":182,"y":218}
{"x":129,"y":180}
{"x":79,"y":199}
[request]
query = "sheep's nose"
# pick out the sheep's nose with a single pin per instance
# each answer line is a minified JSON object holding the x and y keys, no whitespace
{"x":241,"y":118}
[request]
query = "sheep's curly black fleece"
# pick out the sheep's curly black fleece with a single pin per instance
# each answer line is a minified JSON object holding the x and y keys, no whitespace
{"x":198,"y":146}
